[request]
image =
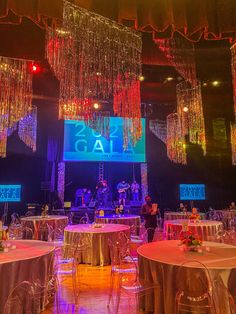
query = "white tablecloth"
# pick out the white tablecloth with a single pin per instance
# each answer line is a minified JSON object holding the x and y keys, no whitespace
{"x":205,"y":229}
{"x":30,"y":261}
{"x":99,"y":253}
{"x":159,"y":263}
{"x":36,"y":222}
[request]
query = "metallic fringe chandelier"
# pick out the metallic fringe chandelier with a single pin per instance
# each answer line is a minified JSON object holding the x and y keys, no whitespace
{"x":233,"y":124}
{"x":189,"y":118}
{"x":192,"y":120}
{"x":175,"y":143}
{"x":181,"y":54}
{"x":96,"y":59}
{"x":15,"y":96}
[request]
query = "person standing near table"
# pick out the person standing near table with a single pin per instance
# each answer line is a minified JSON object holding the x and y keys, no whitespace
{"x":149,"y":212}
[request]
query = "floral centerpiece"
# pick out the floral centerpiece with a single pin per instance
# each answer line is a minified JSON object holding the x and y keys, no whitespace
{"x":189,"y":241}
{"x":195,"y":215}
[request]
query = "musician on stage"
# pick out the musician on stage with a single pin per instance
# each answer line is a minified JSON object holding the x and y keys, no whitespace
{"x":122,"y":188}
{"x":103,"y":192}
{"x":135,"y":191}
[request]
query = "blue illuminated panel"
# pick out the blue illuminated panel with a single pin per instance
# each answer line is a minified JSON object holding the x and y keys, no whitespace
{"x":192,"y":192}
{"x":10,"y":193}
{"x":81,"y":143}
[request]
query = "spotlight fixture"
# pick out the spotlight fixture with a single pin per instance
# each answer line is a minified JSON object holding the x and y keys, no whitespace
{"x":185,"y":109}
{"x":169,"y":78}
{"x":141,"y":78}
{"x":204,"y":83}
{"x":96,"y":105}
{"x":35,"y":68}
{"x":215,"y":83}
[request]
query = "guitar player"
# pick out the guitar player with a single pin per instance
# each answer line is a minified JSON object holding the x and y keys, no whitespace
{"x":122,"y":188}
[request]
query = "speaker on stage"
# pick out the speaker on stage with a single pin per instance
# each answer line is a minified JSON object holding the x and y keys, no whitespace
{"x":92,"y":204}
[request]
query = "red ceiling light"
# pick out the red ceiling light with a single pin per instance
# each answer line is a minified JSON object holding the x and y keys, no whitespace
{"x":35,"y":68}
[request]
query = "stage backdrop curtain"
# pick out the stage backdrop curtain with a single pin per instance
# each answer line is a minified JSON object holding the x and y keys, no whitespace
{"x":213,"y":18}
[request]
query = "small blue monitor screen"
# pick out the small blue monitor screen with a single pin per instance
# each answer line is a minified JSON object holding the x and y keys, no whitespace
{"x":10,"y":193}
{"x":82,"y":143}
{"x":192,"y":192}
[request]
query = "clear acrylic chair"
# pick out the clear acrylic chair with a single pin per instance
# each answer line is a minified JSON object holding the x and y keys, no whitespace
{"x":69,"y":264}
{"x":225,"y":304}
{"x":45,"y":232}
{"x":20,"y":300}
{"x":29,"y":213}
{"x":84,"y":219}
{"x":18,"y":232}
{"x":121,"y":262}
{"x":124,"y":276}
{"x":48,"y":291}
{"x":194,"y":289}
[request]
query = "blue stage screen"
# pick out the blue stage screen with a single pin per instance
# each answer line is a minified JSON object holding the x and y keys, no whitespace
{"x":10,"y":193}
{"x":192,"y":192}
{"x":81,"y":143}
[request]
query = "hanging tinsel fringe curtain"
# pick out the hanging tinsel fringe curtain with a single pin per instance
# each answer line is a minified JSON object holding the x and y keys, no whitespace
{"x":3,"y":143}
{"x":158,"y":128}
{"x":233,"y":69}
{"x":96,"y":58}
{"x":233,"y":142}
{"x":15,"y":96}
{"x":27,"y":129}
{"x":181,"y":54}
{"x":15,"y":90}
{"x":192,"y":121}
{"x":233,"y":125}
{"x":175,"y":142}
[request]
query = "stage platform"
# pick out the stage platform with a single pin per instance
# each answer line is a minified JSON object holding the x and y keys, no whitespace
{"x":76,"y":213}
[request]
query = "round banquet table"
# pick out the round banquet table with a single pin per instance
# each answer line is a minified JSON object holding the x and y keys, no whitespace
{"x":30,"y":261}
{"x":98,"y":253}
{"x":159,"y":263}
{"x":180,"y":215}
{"x":126,"y":219}
{"x":205,"y":229}
{"x":37,"y":222}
